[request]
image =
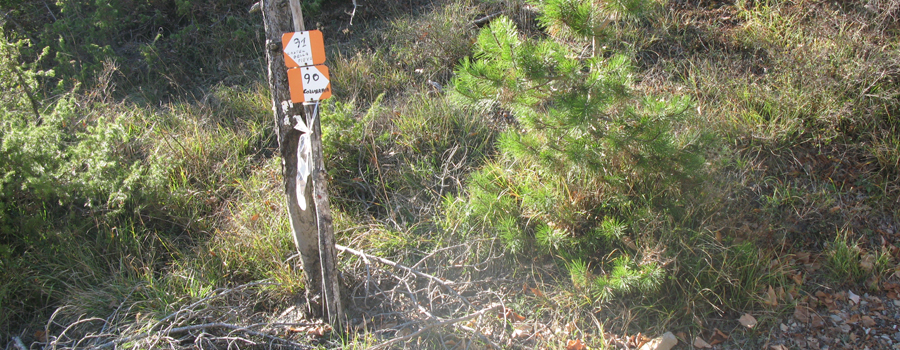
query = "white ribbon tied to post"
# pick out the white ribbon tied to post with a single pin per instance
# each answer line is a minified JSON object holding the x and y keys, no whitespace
{"x":304,"y":159}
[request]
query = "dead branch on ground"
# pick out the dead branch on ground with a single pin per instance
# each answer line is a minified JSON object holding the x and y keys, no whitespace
{"x":440,"y":323}
{"x":446,"y":285}
{"x":205,"y":326}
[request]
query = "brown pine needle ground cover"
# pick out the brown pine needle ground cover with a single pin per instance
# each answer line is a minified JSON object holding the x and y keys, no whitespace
{"x":787,"y":240}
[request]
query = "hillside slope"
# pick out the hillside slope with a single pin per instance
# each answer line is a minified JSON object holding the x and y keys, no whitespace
{"x":604,"y":172}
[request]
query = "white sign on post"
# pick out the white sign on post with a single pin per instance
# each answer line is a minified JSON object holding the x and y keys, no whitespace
{"x":305,"y":48}
{"x":309,"y":84}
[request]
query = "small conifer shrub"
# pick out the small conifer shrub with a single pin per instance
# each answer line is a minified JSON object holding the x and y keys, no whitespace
{"x":590,"y":168}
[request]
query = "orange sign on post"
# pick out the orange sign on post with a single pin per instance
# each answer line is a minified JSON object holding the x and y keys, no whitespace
{"x":309,"y":84}
{"x":303,"y":48}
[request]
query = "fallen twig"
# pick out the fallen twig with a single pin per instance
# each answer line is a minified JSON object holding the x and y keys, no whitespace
{"x":216,"y":293}
{"x":52,"y":321}
{"x":219,"y":292}
{"x":233,"y":328}
{"x":354,"y":12}
{"x":482,"y":336}
{"x":55,"y":342}
{"x":115,"y":313}
{"x":446,"y":285}
{"x":422,"y":260}
{"x":485,"y":19}
{"x":437,"y":324}
{"x":19,"y":344}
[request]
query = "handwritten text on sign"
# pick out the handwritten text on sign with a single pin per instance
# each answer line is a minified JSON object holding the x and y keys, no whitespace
{"x":309,"y":84}
{"x":303,"y":48}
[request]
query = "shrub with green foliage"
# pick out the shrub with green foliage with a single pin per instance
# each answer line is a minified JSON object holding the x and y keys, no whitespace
{"x":589,"y":169}
{"x":104,"y":198}
{"x":99,"y":197}
{"x":61,"y":176}
{"x":160,"y":46}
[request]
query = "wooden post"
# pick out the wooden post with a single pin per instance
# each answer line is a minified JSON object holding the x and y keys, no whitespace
{"x":331,"y":287}
{"x":312,"y":227}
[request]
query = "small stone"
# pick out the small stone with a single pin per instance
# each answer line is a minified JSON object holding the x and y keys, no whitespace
{"x":701,"y":344}
{"x":664,"y":342}
{"x":813,"y":342}
{"x":845,"y":328}
{"x":747,"y":320}
{"x":897,"y":336}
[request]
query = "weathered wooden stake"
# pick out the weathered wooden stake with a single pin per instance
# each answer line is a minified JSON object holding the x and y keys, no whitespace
{"x":327,"y":255}
{"x":312,"y":228}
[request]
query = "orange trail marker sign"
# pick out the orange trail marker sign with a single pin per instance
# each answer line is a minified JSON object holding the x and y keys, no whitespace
{"x":305,"y":48}
{"x":309,"y":84}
